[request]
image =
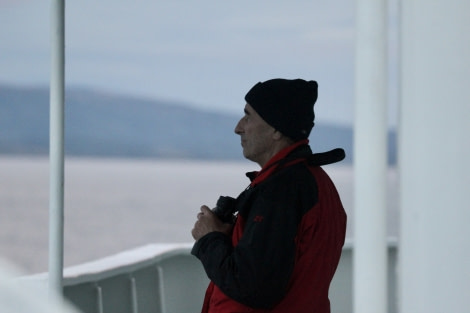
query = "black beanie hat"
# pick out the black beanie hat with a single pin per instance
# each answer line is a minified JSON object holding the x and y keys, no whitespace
{"x":286,"y":105}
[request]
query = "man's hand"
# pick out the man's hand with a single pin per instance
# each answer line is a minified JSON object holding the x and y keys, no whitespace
{"x":208,"y":222}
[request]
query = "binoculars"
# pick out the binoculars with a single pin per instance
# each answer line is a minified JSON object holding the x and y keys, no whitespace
{"x":225,"y":209}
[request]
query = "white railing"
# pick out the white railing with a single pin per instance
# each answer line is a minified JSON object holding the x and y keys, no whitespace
{"x":166,"y":278}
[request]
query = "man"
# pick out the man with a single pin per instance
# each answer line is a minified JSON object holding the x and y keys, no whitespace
{"x":285,"y":245}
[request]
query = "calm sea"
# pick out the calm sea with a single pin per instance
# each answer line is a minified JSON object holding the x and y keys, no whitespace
{"x":116,"y":204}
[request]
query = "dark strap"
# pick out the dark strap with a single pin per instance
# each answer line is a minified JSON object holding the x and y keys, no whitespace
{"x":328,"y":157}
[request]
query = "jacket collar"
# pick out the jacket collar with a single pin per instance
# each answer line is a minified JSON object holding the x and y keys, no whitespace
{"x":296,"y":153}
{"x":279,"y":160}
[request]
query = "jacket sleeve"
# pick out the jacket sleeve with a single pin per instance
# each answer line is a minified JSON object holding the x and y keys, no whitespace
{"x":256,"y":272}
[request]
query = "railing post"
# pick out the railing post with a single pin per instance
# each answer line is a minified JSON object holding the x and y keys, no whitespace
{"x":56,"y":147}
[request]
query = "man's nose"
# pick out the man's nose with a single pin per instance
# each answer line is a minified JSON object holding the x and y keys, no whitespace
{"x":238,"y":128}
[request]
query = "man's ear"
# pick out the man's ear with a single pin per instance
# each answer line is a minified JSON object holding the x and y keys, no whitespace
{"x":277,"y":135}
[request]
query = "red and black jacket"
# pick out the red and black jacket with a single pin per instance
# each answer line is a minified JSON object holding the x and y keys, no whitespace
{"x":286,"y":241}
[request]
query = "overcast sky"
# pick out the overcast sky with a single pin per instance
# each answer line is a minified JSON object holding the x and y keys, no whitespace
{"x":204,"y":53}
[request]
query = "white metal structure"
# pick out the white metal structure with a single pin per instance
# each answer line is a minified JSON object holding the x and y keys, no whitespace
{"x":370,"y":159}
{"x":56,"y":146}
{"x":166,"y":278}
{"x":434,"y":156}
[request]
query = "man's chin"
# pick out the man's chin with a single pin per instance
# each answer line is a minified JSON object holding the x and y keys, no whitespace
{"x":248,"y":156}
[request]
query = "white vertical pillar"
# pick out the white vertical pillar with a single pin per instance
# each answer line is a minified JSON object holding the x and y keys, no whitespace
{"x":56,"y":147}
{"x":434,"y":156}
{"x":370,"y":159}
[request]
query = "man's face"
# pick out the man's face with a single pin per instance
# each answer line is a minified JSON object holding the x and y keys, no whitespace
{"x":256,"y":136}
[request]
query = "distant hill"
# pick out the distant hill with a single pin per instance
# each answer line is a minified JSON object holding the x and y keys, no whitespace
{"x":112,"y":125}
